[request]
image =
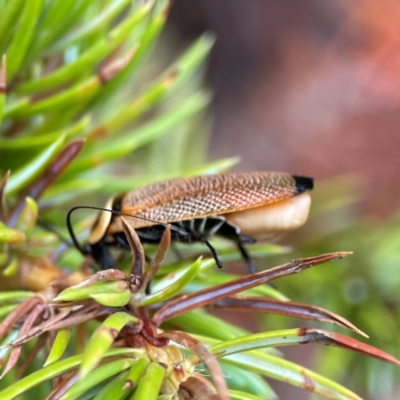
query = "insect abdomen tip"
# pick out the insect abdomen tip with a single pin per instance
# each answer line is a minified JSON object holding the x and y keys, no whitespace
{"x":303,"y":183}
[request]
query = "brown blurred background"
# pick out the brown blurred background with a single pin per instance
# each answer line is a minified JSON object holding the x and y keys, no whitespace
{"x":311,"y":87}
{"x":308,"y":86}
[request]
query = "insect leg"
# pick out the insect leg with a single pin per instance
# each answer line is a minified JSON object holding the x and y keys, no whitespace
{"x":213,"y":251}
{"x":122,"y":241}
{"x":246,"y":256}
{"x":101,"y":254}
{"x":231,"y":232}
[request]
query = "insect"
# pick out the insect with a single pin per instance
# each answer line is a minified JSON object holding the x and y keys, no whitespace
{"x":241,"y":207}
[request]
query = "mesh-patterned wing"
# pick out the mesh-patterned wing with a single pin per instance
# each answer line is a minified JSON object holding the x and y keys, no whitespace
{"x":183,"y":199}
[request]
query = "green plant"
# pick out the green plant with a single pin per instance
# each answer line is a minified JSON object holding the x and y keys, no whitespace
{"x":75,"y":98}
{"x":364,"y":289}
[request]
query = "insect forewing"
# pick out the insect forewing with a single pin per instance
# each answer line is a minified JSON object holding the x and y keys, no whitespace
{"x":201,"y":196}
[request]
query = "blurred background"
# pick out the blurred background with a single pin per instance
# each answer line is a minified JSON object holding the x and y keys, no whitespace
{"x":313,"y":88}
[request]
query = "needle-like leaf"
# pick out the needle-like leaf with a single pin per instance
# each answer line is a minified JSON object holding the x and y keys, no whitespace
{"x":59,"y":346}
{"x":158,"y":258}
{"x":204,"y":297}
{"x":57,"y":369}
{"x":34,"y":168}
{"x":150,"y":384}
{"x":174,"y":287}
{"x":102,"y":339}
{"x":16,"y":351}
{"x":298,"y":310}
{"x":99,"y":375}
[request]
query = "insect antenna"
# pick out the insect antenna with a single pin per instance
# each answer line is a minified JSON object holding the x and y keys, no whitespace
{"x":86,"y":251}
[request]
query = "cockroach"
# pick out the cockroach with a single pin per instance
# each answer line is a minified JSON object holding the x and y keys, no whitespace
{"x":241,"y":207}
